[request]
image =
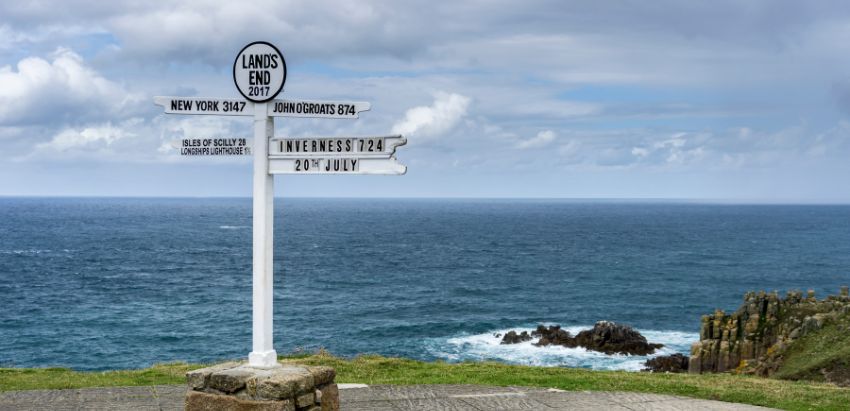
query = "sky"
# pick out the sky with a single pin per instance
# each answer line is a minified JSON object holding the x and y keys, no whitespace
{"x":721,"y":100}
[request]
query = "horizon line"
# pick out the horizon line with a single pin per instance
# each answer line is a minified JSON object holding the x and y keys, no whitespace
{"x":730,"y":201}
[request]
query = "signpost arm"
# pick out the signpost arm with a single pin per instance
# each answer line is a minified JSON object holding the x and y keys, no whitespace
{"x":263,"y":353}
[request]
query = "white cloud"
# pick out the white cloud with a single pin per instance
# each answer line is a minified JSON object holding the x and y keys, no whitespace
{"x":63,"y":89}
{"x":433,"y":120}
{"x":542,"y":139}
{"x":92,"y":137}
{"x":639,"y":152}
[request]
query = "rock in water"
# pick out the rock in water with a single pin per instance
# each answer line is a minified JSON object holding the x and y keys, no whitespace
{"x":667,"y":363}
{"x":553,"y":335}
{"x":511,"y":337}
{"x":606,"y":336}
{"x":613,"y":338}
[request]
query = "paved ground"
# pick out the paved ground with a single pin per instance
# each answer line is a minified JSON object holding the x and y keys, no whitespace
{"x":357,"y":397}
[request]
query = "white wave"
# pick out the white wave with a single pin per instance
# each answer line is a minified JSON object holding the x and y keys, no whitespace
{"x":30,"y":251}
{"x":480,"y":347}
{"x":232,"y":227}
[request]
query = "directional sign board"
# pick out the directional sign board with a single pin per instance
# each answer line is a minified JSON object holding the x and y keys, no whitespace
{"x":213,"y":146}
{"x":201,"y":105}
{"x":275,"y":108}
{"x":336,"y":165}
{"x":336,"y":155}
{"x":383,"y":146}
{"x":317,"y":109}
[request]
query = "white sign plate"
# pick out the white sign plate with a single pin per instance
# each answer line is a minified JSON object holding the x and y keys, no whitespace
{"x":317,"y":109}
{"x":220,"y":146}
{"x":259,"y":71}
{"x":378,"y":147}
{"x":336,"y":165}
{"x":200,"y":105}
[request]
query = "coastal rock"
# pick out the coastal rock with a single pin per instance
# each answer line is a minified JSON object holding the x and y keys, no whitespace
{"x":667,"y":363}
{"x":605,"y":336}
{"x":754,"y":339}
{"x":613,"y":338}
{"x":511,"y":337}
{"x":553,"y":335}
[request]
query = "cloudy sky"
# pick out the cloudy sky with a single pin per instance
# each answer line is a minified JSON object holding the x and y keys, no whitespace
{"x":721,"y":100}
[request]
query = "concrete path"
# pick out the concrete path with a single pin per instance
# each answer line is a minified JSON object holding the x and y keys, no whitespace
{"x":357,"y":397}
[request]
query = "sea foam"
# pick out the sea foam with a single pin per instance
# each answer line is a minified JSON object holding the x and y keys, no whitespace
{"x":486,"y":346}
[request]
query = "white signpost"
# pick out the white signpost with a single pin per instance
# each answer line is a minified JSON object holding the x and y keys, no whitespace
{"x":259,"y":73}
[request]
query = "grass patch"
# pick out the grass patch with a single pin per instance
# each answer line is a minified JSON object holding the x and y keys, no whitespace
{"x":13,"y":379}
{"x":791,"y":395}
{"x":827,"y":348}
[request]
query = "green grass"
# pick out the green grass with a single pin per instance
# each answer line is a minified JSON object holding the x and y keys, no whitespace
{"x":12,"y":379}
{"x":827,"y":348}
{"x":791,"y":395}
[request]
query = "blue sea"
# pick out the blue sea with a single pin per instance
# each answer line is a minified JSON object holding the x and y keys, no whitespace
{"x":108,"y":283}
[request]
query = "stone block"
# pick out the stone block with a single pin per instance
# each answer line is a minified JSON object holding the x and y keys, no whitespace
{"x":322,"y":375}
{"x":237,"y":386}
{"x":198,"y":379}
{"x":328,"y":397}
{"x":201,"y":401}
{"x":305,"y":400}
{"x":230,"y":380}
{"x":296,"y":380}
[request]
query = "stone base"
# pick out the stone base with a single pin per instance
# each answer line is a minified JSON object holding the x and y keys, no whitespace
{"x":239,"y":387}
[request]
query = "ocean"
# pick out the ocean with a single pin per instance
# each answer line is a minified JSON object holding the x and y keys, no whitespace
{"x":111,"y":283}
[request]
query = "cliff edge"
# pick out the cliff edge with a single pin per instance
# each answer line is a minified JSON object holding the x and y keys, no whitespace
{"x":796,"y":337}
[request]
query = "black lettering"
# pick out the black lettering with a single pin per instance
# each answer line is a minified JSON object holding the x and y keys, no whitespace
{"x":259,"y":77}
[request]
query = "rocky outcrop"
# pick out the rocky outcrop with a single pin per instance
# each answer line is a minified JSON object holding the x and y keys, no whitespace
{"x":511,"y":337}
{"x":753,"y":338}
{"x":554,"y":335}
{"x":605,"y":336}
{"x":612,"y":338}
{"x":667,"y":363}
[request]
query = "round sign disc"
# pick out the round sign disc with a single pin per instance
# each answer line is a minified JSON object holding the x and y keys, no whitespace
{"x":259,"y":71}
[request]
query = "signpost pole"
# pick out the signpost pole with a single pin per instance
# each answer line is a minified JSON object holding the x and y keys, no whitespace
{"x":263,"y":354}
{"x":259,"y":73}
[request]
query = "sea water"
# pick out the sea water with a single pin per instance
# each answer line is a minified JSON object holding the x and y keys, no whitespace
{"x":107,"y":283}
